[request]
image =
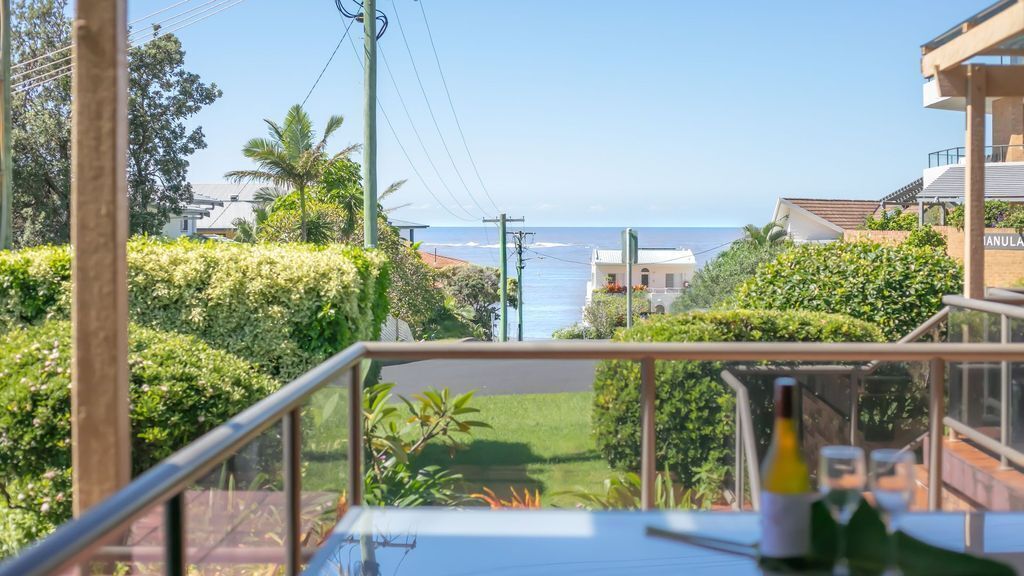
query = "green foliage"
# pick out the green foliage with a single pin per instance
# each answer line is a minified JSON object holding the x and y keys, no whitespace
{"x":606,"y":312}
{"x":622,"y":492}
{"x":577,"y":331}
{"x":163,"y":99}
{"x":925,"y":237}
{"x":997,"y":212}
{"x":284,"y":308}
{"x":475,"y":293}
{"x":894,"y":287}
{"x":895,"y":219}
{"x":392,"y":444}
{"x":180,"y":389}
{"x":766,"y":236}
{"x":694,"y":418}
{"x":716,"y":282}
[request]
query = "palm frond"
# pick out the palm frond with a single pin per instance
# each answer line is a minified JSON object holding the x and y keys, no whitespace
{"x":391,"y":189}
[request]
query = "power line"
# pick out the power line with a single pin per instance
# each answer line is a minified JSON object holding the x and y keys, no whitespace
{"x":161,"y":11}
{"x":419,"y":138}
{"x":433,"y":117}
{"x":329,"y":60}
{"x":51,"y":76}
{"x":451,"y":103}
{"x":544,"y":255}
{"x":401,"y":146}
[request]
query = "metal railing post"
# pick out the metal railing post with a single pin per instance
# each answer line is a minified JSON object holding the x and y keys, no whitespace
{"x":936,"y":413}
{"x":648,"y":466}
{"x":291,"y":434}
{"x":355,"y":437}
{"x":737,"y":473}
{"x":1004,"y":392}
{"x":854,"y":405}
{"x":175,"y":561}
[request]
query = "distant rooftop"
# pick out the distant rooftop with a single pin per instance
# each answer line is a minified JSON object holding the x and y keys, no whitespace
{"x":235,"y":199}
{"x":406,"y":225}
{"x":844,"y":214}
{"x":648,"y":256}
{"x":435,"y":260}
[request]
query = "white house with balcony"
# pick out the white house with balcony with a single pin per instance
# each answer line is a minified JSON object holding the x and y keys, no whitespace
{"x":665,"y":272}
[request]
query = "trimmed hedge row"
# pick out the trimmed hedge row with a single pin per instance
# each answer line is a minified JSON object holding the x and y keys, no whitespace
{"x":895,"y":287}
{"x":285,"y":308}
{"x":180,"y":389}
{"x":694,"y":409}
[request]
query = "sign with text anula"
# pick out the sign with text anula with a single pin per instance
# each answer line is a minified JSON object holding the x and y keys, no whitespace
{"x":1004,"y":241}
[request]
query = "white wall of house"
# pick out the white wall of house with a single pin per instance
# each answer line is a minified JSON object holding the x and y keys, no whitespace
{"x":802,"y":226}
{"x":666,"y":273}
{"x":179,"y":226}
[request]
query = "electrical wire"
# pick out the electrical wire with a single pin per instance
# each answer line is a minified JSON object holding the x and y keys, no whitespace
{"x":451,"y":103}
{"x":401,"y":146}
{"x":38,"y":81}
{"x":380,"y":16}
{"x":416,"y":132}
{"x":433,"y":117}
{"x":329,"y":60}
{"x":545,"y":255}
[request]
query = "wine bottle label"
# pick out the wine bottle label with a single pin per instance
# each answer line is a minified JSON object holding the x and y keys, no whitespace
{"x":785,"y":525}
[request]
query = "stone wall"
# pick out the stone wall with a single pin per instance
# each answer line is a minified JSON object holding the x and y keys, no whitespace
{"x":1003,"y":268}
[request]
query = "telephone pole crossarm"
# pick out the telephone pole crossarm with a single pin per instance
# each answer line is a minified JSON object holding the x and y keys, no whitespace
{"x":519,"y":237}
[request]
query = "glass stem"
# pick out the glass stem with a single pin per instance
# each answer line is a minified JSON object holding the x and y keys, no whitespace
{"x":842,"y":561}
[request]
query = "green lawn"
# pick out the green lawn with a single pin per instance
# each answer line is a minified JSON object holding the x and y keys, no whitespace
{"x":538,"y":441}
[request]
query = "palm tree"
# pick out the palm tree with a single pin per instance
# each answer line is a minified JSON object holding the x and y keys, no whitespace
{"x":248,"y":230}
{"x":290,"y":158}
{"x":765,"y":236}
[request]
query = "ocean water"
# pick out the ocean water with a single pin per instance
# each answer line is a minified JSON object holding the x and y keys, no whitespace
{"x":557,"y":263}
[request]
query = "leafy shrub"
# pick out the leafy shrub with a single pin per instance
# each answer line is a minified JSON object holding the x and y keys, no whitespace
{"x":894,"y":287}
{"x":284,"y":308}
{"x":694,"y":410}
{"x":895,"y":219}
{"x":577,"y":331}
{"x":606,"y":312}
{"x":180,"y":388}
{"x":925,"y":237}
{"x":716,"y":282}
{"x":996,"y":212}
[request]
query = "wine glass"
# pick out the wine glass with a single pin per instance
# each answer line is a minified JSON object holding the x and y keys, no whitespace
{"x":892,"y":484}
{"x":841,"y":479}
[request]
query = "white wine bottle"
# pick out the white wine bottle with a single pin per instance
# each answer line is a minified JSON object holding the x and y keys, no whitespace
{"x":785,"y":486}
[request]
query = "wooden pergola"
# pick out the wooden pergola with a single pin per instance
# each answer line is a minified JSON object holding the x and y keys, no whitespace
{"x":964,"y":63}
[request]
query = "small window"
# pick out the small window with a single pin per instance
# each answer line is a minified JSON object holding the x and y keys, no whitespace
{"x":184,"y":224}
{"x":659,"y":309}
{"x":610,"y":279}
{"x":645,"y":277}
{"x":670,"y":280}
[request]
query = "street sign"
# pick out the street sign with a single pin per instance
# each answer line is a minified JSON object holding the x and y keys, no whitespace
{"x":629,"y":246}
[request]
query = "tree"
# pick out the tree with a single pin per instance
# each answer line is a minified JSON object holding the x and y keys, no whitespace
{"x":291,"y":157}
{"x":716,"y":282}
{"x":162,"y":97}
{"x":770,"y":234}
{"x":475,"y":290}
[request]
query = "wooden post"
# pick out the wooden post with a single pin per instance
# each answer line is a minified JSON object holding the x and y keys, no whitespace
{"x":100,"y":428}
{"x":6,"y":162}
{"x":974,"y":185}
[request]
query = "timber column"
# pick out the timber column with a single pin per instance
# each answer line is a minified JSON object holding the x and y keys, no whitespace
{"x":974,"y":185}
{"x":100,"y":428}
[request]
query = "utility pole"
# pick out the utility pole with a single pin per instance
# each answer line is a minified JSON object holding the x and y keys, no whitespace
{"x":5,"y":127}
{"x":518,"y":237}
{"x":502,"y":220}
{"x":370,"y":125}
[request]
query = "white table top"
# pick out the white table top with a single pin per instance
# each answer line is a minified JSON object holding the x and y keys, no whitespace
{"x":436,"y":542}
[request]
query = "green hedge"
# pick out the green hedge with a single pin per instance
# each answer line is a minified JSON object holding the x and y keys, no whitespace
{"x":284,"y":308}
{"x":694,"y":418}
{"x":180,"y":389}
{"x":894,"y":287}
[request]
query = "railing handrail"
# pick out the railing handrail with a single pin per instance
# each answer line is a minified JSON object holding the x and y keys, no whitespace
{"x":74,"y":541}
{"x":984,"y":306}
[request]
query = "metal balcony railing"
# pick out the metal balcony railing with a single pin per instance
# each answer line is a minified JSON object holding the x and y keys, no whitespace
{"x":97,"y":536}
{"x":958,"y":155}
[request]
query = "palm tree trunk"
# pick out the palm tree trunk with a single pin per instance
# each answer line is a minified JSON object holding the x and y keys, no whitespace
{"x":302,"y":210}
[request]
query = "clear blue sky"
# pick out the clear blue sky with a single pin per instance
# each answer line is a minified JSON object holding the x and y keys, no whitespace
{"x":592,"y":112}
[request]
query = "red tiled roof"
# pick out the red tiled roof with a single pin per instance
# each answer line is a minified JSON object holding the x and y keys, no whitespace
{"x":846,"y":214}
{"x":435,"y":260}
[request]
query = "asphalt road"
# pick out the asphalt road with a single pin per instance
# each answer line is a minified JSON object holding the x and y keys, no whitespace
{"x":492,"y":377}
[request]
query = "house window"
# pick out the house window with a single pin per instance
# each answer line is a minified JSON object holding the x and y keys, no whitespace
{"x":670,"y":280}
{"x":610,"y":279}
{"x":184,"y":224}
{"x":645,"y":277}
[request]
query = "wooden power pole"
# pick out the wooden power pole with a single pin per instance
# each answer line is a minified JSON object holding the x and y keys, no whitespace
{"x":502,"y":220}
{"x":6,"y":164}
{"x":100,"y":428}
{"x":370,"y":125}
{"x":519,"y":237}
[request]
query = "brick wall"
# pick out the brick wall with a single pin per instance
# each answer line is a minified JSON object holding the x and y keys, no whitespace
{"x":1002,"y":267}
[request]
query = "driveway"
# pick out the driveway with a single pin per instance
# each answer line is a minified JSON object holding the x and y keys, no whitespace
{"x":492,"y":377}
